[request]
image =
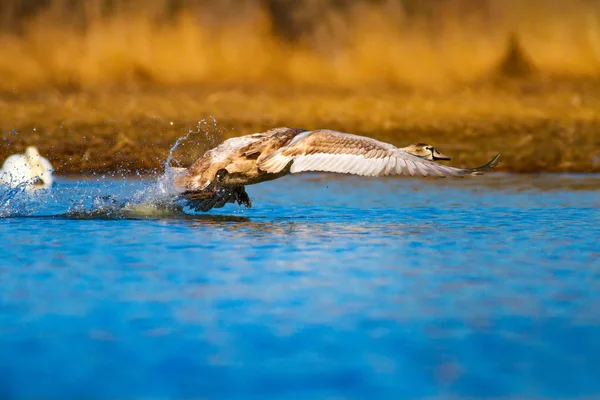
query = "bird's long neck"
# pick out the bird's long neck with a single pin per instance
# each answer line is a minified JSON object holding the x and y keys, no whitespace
{"x":408,"y":149}
{"x":35,"y":165}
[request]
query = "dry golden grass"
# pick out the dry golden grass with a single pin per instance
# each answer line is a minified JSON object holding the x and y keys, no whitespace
{"x":139,"y":42}
{"x":542,"y":126}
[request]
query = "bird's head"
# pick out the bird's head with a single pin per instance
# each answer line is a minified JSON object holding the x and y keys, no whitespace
{"x":425,"y":151}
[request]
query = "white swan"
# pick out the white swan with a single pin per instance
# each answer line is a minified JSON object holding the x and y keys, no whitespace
{"x":29,"y":169}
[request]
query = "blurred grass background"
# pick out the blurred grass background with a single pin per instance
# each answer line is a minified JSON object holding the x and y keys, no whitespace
{"x":470,"y":76}
{"x":339,"y":43}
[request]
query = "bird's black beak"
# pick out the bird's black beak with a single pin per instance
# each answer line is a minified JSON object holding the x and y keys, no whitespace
{"x":439,"y":156}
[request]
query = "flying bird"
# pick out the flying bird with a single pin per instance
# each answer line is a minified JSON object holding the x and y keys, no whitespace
{"x":219,"y":176}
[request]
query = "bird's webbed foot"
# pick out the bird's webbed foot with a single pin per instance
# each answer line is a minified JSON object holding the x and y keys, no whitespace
{"x":241,"y":197}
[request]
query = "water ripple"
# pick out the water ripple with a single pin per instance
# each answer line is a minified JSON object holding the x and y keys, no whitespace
{"x":339,"y":287}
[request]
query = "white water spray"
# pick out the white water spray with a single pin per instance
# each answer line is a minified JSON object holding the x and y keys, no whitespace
{"x":102,"y":199}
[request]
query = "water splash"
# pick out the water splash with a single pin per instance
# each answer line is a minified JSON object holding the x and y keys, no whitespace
{"x":175,"y":146}
{"x":113,"y":207}
{"x":96,"y":198}
{"x":143,"y":198}
{"x":162,"y":194}
{"x":201,"y":127}
{"x":16,"y":201}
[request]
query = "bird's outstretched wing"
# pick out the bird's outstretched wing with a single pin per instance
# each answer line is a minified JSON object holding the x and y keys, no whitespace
{"x":331,"y":151}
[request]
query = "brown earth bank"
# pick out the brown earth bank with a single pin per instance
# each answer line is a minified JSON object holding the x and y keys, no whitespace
{"x":538,"y":126}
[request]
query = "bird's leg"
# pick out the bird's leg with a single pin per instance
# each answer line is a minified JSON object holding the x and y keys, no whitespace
{"x":202,"y":200}
{"x":216,"y":195}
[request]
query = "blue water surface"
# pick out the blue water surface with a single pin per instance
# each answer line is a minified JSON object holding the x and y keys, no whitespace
{"x":329,"y":287}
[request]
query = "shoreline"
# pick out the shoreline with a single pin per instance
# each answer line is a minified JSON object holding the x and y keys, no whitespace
{"x":537,"y":127}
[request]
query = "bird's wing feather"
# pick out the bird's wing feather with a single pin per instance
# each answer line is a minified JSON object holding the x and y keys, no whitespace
{"x":331,"y":151}
{"x":273,"y":139}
